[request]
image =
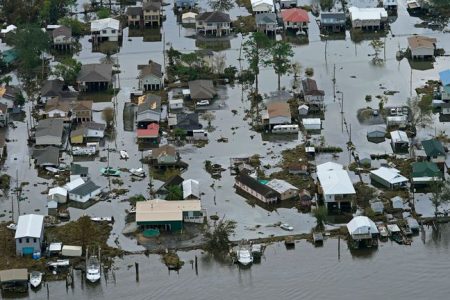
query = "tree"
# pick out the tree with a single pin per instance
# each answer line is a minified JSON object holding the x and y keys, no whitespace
{"x":19,"y":100}
{"x":78,"y":28}
{"x":174,"y":192}
{"x":296,"y":69}
{"x":218,"y":63}
{"x":103,"y":13}
{"x":217,"y":241}
{"x":6,"y":80}
{"x":377,"y":46}
{"x":221,"y":5}
{"x":440,"y":193}
{"x":209,"y":117}
{"x":256,"y":51}
{"x":280,"y":59}
{"x":420,"y":113}
{"x":68,"y":69}
{"x":108,"y":117}
{"x":230,"y":73}
{"x":320,"y":213}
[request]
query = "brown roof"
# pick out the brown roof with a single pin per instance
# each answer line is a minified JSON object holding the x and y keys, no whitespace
{"x":152,"y":68}
{"x":276,"y":109}
{"x":55,"y":103}
{"x":202,"y":89}
{"x":3,"y":108}
{"x":151,"y":5}
{"x":419,"y":41}
{"x":163,"y":151}
{"x":62,"y":30}
{"x":82,"y":105}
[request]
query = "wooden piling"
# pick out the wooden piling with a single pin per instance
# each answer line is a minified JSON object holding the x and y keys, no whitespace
{"x":196,"y":265}
{"x":136,"y":266}
{"x":48,"y":292}
{"x":339,"y":247}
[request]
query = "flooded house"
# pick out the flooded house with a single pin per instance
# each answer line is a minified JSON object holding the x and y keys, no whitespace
{"x":284,"y":189}
{"x":49,"y":132}
{"x":335,"y":186}
{"x":202,"y":89}
{"x":422,"y":47}
{"x":188,"y":18}
{"x":399,"y":141}
{"x":191,"y":189}
{"x":262,"y":6}
{"x":444,"y":77}
{"x":148,"y":137}
{"x":95,"y":77}
{"x":149,"y":110}
{"x":214,"y":23}
{"x":252,"y":187}
{"x":54,"y":108}
{"x":150,"y":77}
{"x":8,"y":95}
{"x":187,"y":4}
{"x":188,"y":122}
{"x":62,"y":38}
{"x":56,"y":88}
{"x":152,"y":13}
{"x":165,"y":156}
{"x":372,"y":18}
{"x":14,"y":280}
{"x":425,"y":173}
{"x":278,"y":113}
{"x":313,"y":124}
{"x":107,"y":29}
{"x":311,"y":94}
{"x":435,"y":152}
{"x":58,"y":194}
{"x":46,"y":156}
{"x":295,"y":19}
{"x":388,"y":177}
{"x":29,"y":234}
{"x":363,"y":232}
{"x":82,"y":194}
{"x":4,"y":115}
{"x":390,"y":5}
{"x":303,"y":110}
{"x":176,"y":104}
{"x":266,"y":22}
{"x":168,"y":215}
{"x":81,"y":111}
{"x":333,"y":22}
{"x":88,"y":132}
{"x":135,"y":16}
{"x":78,"y":171}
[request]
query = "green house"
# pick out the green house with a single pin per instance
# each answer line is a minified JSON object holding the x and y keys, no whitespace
{"x":434,"y":150}
{"x":425,"y":172}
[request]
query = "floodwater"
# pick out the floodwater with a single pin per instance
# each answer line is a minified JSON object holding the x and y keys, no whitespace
{"x":419,"y":271}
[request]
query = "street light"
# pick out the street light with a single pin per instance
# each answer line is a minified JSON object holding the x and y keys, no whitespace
{"x":325,"y":37}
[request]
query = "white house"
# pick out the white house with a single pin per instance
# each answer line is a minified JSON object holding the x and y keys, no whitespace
{"x":191,"y":189}
{"x":29,"y":234}
{"x":106,"y":30}
{"x":83,"y":193}
{"x":399,"y":141}
{"x":74,"y":184}
{"x":362,"y":228}
{"x":388,"y":177}
{"x":421,"y":46}
{"x":176,"y":104}
{"x":262,"y":6}
{"x":188,"y":18}
{"x":312,"y":123}
{"x":94,"y":130}
{"x":368,"y":18}
{"x":283,"y":188}
{"x":278,"y":113}
{"x":335,"y":185}
{"x":58,"y":194}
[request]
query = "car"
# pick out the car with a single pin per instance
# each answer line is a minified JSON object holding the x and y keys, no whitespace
{"x":287,"y":227}
{"x":393,"y":112}
{"x":202,"y":102}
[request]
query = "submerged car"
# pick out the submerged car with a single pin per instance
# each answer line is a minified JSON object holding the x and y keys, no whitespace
{"x":286,"y":226}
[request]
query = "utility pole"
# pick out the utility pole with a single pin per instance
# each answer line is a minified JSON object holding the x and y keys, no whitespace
{"x":410,"y":83}
{"x":334,"y":82}
{"x":342,"y":102}
{"x":17,"y":193}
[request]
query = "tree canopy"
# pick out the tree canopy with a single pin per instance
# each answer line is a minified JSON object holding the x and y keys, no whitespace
{"x":280,"y":59}
{"x":221,"y":5}
{"x":68,"y":69}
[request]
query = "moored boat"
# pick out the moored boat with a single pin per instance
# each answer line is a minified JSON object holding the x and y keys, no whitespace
{"x":244,"y":256}
{"x":257,"y":251}
{"x":93,"y":269}
{"x":35,"y":279}
{"x":110,"y":171}
{"x":384,"y":234}
{"x":124,"y":154}
{"x":139,"y":172}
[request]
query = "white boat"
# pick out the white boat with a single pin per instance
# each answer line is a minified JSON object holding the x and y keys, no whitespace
{"x":35,"y":279}
{"x":124,"y":154}
{"x":383,"y":231}
{"x":12,"y":226}
{"x":286,"y":226}
{"x":52,"y":170}
{"x":244,"y":256}
{"x":101,"y":219}
{"x":59,"y":263}
{"x":139,"y":172}
{"x":93,"y":269}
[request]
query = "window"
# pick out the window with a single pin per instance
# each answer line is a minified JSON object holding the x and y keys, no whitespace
{"x":113,"y":31}
{"x":28,"y":240}
{"x":20,"y":241}
{"x":34,"y":240}
{"x":103,"y":31}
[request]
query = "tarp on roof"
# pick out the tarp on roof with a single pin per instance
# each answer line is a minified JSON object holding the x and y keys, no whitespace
{"x":444,"y":76}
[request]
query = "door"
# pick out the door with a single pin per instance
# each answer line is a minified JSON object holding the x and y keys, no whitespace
{"x":27,"y":251}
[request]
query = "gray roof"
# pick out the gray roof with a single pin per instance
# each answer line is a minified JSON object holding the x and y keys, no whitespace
{"x":202,"y":89}
{"x":62,"y":30}
{"x":95,"y":73}
{"x":152,"y":102}
{"x":50,"y":127}
{"x":134,"y":10}
{"x":152,"y":5}
{"x":76,"y":169}
{"x":213,"y":17}
{"x":266,"y":18}
{"x":85,"y":189}
{"x":152,"y":68}
{"x":52,"y":88}
{"x":188,"y":121}
{"x":332,"y":18}
{"x":94,"y":126}
{"x":48,"y":156}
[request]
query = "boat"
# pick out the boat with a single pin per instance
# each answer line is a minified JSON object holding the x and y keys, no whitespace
{"x":289,"y":242}
{"x":93,"y":269}
{"x":318,"y":238}
{"x":413,"y":224}
{"x":110,"y":171}
{"x":52,"y":170}
{"x":35,"y":279}
{"x":257,"y":251}
{"x":406,"y":230}
{"x":383,"y":231}
{"x":102,"y":219}
{"x":244,"y":256}
{"x":395,"y":233}
{"x":286,"y":226}
{"x":139,"y":172}
{"x":124,"y":154}
{"x":12,"y":226}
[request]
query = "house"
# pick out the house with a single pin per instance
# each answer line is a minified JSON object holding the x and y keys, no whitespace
{"x":49,"y":132}
{"x":295,"y":19}
{"x":52,"y":208}
{"x":254,"y":188}
{"x":149,"y":110}
{"x":73,"y":184}
{"x":362,"y":228}
{"x":262,"y":6}
{"x":390,"y":5}
{"x":134,"y":16}
{"x":185,"y":3}
{"x":165,"y":155}
{"x":78,"y":171}
{"x":89,"y":131}
{"x":94,"y":77}
{"x":333,"y":21}
{"x":29,"y":234}
{"x":388,"y":177}
{"x":372,"y":18}
{"x":150,"y":77}
{"x":83,"y":193}
{"x":335,"y":186}
{"x":421,"y":47}
{"x":188,"y":18}
{"x":298,"y":169}
{"x":51,"y":89}
{"x":399,"y":141}
{"x":435,"y":152}
{"x":57,"y":109}
{"x":284,"y":189}
{"x":175,"y":180}
{"x":202,"y":89}
{"x":8,"y":95}
{"x":425,"y":172}
{"x":188,"y":122}
{"x":445,"y":108}
{"x":149,"y":135}
{"x":303,"y":110}
{"x":311,"y":93}
{"x":175,"y":104}
{"x":105,"y":30}
{"x":62,"y":37}
{"x":58,"y":194}
{"x":377,"y":207}
{"x":46,"y":156}
{"x":152,"y":13}
{"x":82,"y":111}
{"x":266,"y":22}
{"x":278,"y":113}
{"x":215,"y":23}
{"x":4,"y":115}
{"x":376,"y":135}
{"x":312,"y":123}
{"x":17,"y":279}
{"x":444,"y":77}
{"x":397,"y":202}
{"x":305,"y":199}
{"x":191,"y":189}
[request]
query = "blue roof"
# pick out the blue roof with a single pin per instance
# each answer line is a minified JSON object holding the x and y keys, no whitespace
{"x":445,"y":77}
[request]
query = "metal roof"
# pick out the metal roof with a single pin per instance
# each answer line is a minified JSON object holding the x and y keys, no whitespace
{"x":13,"y":275}
{"x":281,"y":186}
{"x":361,"y":225}
{"x":161,"y":210}
{"x":29,"y":226}
{"x":444,"y":76}
{"x":191,"y":187}
{"x":85,"y":189}
{"x":391,"y":175}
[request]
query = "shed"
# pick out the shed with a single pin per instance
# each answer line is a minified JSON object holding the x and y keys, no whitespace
{"x":361,"y":228}
{"x":191,"y":189}
{"x":85,"y":192}
{"x":388,"y":177}
{"x":303,"y":110}
{"x":29,"y":234}
{"x":399,"y":141}
{"x":71,"y":251}
{"x":284,"y":189}
{"x":377,"y":207}
{"x":73,"y":184}
{"x":312,"y":124}
{"x":397,"y":202}
{"x":376,"y":136}
{"x":176,"y":104}
{"x":58,"y":194}
{"x":14,"y":279}
{"x":52,"y":208}
{"x":55,"y":248}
